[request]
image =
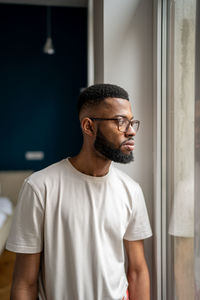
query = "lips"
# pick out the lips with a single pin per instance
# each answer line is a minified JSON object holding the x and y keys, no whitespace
{"x":130,"y":142}
{"x":129,"y":145}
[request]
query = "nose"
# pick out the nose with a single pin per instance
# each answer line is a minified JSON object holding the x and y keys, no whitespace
{"x":130,"y":131}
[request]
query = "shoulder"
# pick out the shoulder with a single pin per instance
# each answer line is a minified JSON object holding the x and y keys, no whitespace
{"x":126,"y":180}
{"x":129,"y":187}
{"x":47,"y":177}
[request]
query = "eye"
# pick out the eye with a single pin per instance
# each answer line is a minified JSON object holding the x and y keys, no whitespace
{"x":121,"y":121}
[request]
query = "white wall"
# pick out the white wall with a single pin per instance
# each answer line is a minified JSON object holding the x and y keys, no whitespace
{"x":128,"y":61}
{"x":128,"y":54}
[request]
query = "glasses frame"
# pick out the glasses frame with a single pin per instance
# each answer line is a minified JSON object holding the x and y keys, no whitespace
{"x":130,"y":122}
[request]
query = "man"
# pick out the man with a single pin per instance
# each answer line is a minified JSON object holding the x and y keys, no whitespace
{"x":75,"y":219}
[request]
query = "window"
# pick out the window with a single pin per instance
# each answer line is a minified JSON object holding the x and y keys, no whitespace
{"x":180,"y":149}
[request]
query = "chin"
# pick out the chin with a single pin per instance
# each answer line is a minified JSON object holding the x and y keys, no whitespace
{"x":127,"y":152}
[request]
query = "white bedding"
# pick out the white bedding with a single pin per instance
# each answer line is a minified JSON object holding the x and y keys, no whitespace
{"x":6,"y":209}
{"x":6,"y":212}
{"x":6,"y":206}
{"x":3,"y":218}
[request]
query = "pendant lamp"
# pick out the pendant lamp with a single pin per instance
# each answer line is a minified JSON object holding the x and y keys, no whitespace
{"x":48,"y":47}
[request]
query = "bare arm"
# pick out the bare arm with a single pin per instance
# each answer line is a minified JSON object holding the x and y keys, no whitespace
{"x":138,"y":275}
{"x":25,"y":277}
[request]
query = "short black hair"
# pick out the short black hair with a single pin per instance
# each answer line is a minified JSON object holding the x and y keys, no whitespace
{"x":95,"y":94}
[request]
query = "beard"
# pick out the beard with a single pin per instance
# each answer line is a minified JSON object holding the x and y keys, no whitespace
{"x":109,"y":151}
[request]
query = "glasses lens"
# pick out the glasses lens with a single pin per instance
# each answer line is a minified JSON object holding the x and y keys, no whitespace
{"x":123,"y":124}
{"x":135,"y":126}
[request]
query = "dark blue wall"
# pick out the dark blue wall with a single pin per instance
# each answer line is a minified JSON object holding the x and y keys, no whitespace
{"x":38,"y":92}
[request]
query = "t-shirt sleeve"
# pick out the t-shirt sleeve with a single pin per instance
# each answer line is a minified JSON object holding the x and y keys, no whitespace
{"x":139,"y":226}
{"x":26,"y":234}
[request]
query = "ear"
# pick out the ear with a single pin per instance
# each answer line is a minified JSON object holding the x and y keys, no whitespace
{"x":87,"y":126}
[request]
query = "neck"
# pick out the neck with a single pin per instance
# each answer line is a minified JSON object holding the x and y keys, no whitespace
{"x":91,"y":163}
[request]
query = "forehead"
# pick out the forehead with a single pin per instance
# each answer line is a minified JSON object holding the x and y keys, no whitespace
{"x":111,"y":107}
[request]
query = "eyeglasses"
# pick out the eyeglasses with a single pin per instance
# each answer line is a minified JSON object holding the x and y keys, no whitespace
{"x":122,"y":122}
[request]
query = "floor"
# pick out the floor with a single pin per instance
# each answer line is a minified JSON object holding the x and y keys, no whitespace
{"x":7,"y":260}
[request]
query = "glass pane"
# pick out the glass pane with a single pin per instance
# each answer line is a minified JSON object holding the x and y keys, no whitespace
{"x":197,"y":158}
{"x":181,"y":147}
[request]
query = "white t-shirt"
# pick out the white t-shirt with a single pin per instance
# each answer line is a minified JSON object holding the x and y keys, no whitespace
{"x":79,"y":222}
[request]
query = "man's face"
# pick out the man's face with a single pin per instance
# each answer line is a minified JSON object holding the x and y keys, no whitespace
{"x":110,"y":142}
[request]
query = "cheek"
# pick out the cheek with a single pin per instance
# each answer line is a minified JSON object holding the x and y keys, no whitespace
{"x":112,"y":134}
{"x":116,"y":139}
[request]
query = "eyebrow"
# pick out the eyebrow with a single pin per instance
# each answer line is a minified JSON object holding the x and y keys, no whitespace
{"x":123,"y":116}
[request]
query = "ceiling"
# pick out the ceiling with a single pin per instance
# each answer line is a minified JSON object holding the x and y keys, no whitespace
{"x":79,"y":3}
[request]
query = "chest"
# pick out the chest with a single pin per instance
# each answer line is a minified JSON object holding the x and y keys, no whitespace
{"x":85,"y":207}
